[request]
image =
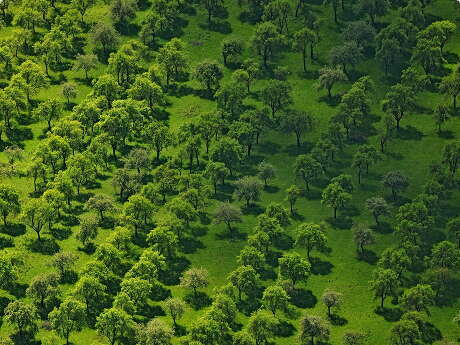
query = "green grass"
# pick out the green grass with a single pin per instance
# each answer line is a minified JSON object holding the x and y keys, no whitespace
{"x":347,"y":275}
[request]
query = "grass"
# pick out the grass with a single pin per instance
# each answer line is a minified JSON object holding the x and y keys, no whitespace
{"x":342,"y":270}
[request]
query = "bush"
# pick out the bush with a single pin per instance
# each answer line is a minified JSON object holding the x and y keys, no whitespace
{"x":6,"y":241}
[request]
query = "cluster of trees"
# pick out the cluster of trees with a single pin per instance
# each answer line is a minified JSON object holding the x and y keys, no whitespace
{"x":118,"y":127}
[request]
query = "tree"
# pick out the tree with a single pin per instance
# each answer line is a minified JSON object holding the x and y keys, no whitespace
{"x":378,"y":207}
{"x":328,"y":76}
{"x":418,"y":298}
{"x":163,"y":240}
{"x":441,"y":115}
{"x":261,"y":325}
{"x":384,"y":284}
{"x":22,"y":315}
{"x":138,"y":290}
{"x":92,"y":292}
{"x":293,"y":193}
{"x":69,"y":91}
{"x":195,"y":278}
{"x":216,"y":171}
{"x":439,"y":32}
{"x":266,"y":172}
{"x":155,"y":332}
{"x":251,"y":256}
{"x":335,"y":6}
{"x":143,"y":89}
{"x":453,"y":228}
{"x":69,"y":317}
{"x":88,"y":229}
{"x":231,"y":48}
{"x":450,"y":86}
{"x":30,"y":79}
{"x":35,"y":213}
{"x":332,"y":299}
{"x":175,"y":307}
{"x":82,"y":6}
{"x":227,"y":151}
{"x":113,"y":324}
{"x":297,"y":122}
{"x":123,"y":11}
{"x":363,"y":236}
{"x":42,"y":288}
{"x":302,"y":40}
{"x":354,"y":338}
{"x":49,"y":110}
{"x":138,"y":211}
{"x":398,"y":101}
{"x":248,"y":188}
{"x":101,"y":203}
{"x":444,"y":255}
{"x":428,"y":54}
{"x":265,"y":40}
{"x":274,"y":298}
{"x":158,"y":135}
{"x":451,"y":157}
{"x":294,"y":268}
{"x":8,"y":272}
{"x":396,"y":181}
{"x":373,"y":8}
{"x":277,"y":95}
{"x":348,"y":54}
{"x":245,"y":279}
{"x":64,"y":262}
{"x":308,"y":168}
{"x":105,"y":38}
{"x":311,"y":327}
{"x":228,"y":214}
{"x":244,"y":133}
{"x":9,"y":202}
{"x":311,"y":236}
{"x":172,"y":59}
{"x":405,"y":332}
{"x":209,"y":73}
{"x":335,"y":197}
{"x":85,"y":62}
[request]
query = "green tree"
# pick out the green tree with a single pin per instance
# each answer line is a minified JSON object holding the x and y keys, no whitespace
{"x":158,"y":135}
{"x":396,"y":181}
{"x":274,"y":298}
{"x":22,"y":315}
{"x":92,"y":292}
{"x":328,"y":76}
{"x":293,"y":193}
{"x":43,"y":288}
{"x":175,"y":307}
{"x":245,"y":279}
{"x":228,"y":151}
{"x":405,"y":332}
{"x":249,"y":189}
{"x":313,"y":327}
{"x":332,"y":299}
{"x":49,"y":110}
{"x":363,"y":236}
{"x":231,"y":48}
{"x":209,"y":73}
{"x":195,"y":278}
{"x":86,"y":62}
{"x":450,"y":86}
{"x":114,"y":324}
{"x":398,"y":101}
{"x":228,"y":214}
{"x":88,"y":229}
{"x":418,"y":298}
{"x":303,"y":39}
{"x":251,"y":256}
{"x":261,"y":325}
{"x":277,"y":96}
{"x":137,"y":212}
{"x":378,"y":207}
{"x":297,"y":122}
{"x":35,"y":213}
{"x":335,"y":197}
{"x":216,"y":171}
{"x":101,"y":203}
{"x":69,"y":317}
{"x":308,"y":169}
{"x":82,"y":6}
{"x":64,"y":262}
{"x":265,"y":41}
{"x":9,"y":202}
{"x":155,"y":332}
{"x":311,"y":236}
{"x":294,"y":268}
{"x":384,"y":284}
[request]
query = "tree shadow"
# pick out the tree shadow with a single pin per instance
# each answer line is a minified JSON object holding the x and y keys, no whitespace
{"x":190,"y":245}
{"x":271,"y":258}
{"x":337,"y":320}
{"x":60,"y":232}
{"x":303,"y":298}
{"x":159,"y":292}
{"x":253,"y":209}
{"x":409,"y":133}
{"x":283,"y":242}
{"x":13,"y":229}
{"x":271,"y":189}
{"x":368,"y":256}
{"x":341,"y":222}
{"x":319,"y":267}
{"x":248,"y":306}
{"x":269,"y":147}
{"x":151,"y":311}
{"x":234,"y":235}
{"x":294,"y":150}
{"x":198,"y":301}
{"x":382,"y":227}
{"x":446,"y":134}
{"x":430,"y":333}
{"x":390,"y":314}
{"x":46,"y":246}
{"x":284,"y":329}
{"x":69,"y":219}
{"x":179,"y":330}
{"x":26,"y":338}
{"x":176,"y":266}
{"x":217,"y":25}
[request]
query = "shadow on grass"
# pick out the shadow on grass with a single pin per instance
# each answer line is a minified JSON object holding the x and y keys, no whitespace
{"x":284,"y":329}
{"x":303,"y":298}
{"x":271,"y":258}
{"x":175,"y":268}
{"x":382,"y":228}
{"x":337,"y":320}
{"x":319,"y":267}
{"x":341,"y":222}
{"x":409,"y":133}
{"x":13,"y":229}
{"x":283,"y":242}
{"x":234,"y":235}
{"x":368,"y":256}
{"x":198,"y":301}
{"x":389,"y":314}
{"x":248,"y":306}
{"x":159,"y":292}
{"x":46,"y":245}
{"x":190,"y":245}
{"x":60,"y":232}
{"x":26,"y":338}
